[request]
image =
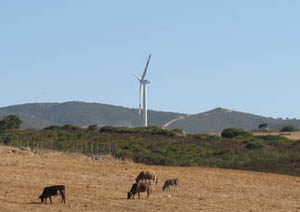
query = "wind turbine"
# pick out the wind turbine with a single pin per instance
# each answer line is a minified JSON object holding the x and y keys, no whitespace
{"x":143,"y":93}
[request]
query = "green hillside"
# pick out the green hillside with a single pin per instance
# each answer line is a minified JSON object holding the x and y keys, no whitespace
{"x":41,"y":115}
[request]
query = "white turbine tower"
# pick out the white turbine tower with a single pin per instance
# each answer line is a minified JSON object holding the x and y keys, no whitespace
{"x":143,"y":92}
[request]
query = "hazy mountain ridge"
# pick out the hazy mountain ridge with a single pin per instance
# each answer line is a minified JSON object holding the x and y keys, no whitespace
{"x":220,"y":118}
{"x":41,"y":115}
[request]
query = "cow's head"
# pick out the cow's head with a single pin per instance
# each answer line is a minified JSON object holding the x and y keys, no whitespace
{"x":129,"y":194}
{"x":42,"y":198}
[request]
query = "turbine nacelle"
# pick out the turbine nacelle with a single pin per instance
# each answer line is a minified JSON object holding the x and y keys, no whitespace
{"x":145,"y":81}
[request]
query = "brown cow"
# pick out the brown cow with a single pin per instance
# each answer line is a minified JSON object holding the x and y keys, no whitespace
{"x":147,"y":175}
{"x":139,"y":187}
{"x":53,"y":191}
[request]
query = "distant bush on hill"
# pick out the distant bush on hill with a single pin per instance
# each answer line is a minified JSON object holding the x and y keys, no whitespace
{"x":92,"y":127}
{"x":10,"y":122}
{"x":70,"y":127}
{"x":160,"y":131}
{"x":262,"y":126}
{"x":64,"y":127}
{"x":112,"y":129}
{"x":288,"y":128}
{"x":233,"y":132}
{"x":52,"y":127}
{"x":254,"y":145}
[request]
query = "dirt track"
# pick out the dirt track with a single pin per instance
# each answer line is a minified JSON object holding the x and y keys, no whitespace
{"x":102,"y":185}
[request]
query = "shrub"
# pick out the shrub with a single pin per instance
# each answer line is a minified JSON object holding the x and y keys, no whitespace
{"x":272,"y":138}
{"x":70,"y":127}
{"x":206,"y":137}
{"x":52,"y":127}
{"x":107,"y":129}
{"x":254,"y":145}
{"x":92,"y":127}
{"x":160,"y":131}
{"x":262,"y":126}
{"x":10,"y":122}
{"x":288,"y":128}
{"x":233,"y":132}
{"x":178,"y":131}
{"x":113,"y":129}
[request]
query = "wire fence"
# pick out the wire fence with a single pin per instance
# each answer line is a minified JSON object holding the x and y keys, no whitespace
{"x":90,"y":148}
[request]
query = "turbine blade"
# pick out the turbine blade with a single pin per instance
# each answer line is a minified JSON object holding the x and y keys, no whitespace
{"x":146,"y":67}
{"x":137,"y":77}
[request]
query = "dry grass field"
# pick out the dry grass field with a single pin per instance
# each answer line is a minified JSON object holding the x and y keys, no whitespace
{"x":102,"y":185}
{"x":289,"y":135}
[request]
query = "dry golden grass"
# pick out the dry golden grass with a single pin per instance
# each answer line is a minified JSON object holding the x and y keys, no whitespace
{"x":102,"y":185}
{"x":289,"y":135}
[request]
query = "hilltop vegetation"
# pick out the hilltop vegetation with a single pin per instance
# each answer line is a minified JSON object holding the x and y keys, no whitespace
{"x":156,"y":146}
{"x":41,"y":115}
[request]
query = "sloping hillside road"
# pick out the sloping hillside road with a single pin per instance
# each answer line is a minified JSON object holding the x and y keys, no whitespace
{"x":165,"y":126}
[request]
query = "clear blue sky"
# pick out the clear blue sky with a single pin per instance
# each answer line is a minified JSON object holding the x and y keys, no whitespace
{"x":239,"y":55}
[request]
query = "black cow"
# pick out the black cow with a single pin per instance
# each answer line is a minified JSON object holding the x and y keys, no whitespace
{"x":53,"y":191}
{"x":139,"y":187}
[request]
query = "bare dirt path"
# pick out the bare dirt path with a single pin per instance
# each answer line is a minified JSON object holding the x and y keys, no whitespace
{"x":173,"y":120}
{"x":102,"y":185}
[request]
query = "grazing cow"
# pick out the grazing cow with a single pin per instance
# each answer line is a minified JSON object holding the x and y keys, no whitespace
{"x":139,"y":187}
{"x":147,"y":175}
{"x":170,"y":182}
{"x":53,"y":191}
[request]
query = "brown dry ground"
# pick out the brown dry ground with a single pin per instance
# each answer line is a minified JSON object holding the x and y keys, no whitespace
{"x":290,"y":135}
{"x":102,"y":185}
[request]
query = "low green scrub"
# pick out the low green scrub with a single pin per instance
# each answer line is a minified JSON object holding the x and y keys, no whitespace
{"x":254,"y":145}
{"x":112,"y":129}
{"x":206,"y":137}
{"x":288,"y":128}
{"x":162,"y":132}
{"x":156,"y":146}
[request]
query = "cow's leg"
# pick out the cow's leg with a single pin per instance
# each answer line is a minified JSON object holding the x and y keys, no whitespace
{"x":46,"y":200}
{"x":148,"y":193}
{"x":63,"y":196}
{"x":50,"y":199}
{"x":139,"y":194}
{"x":63,"y":200}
